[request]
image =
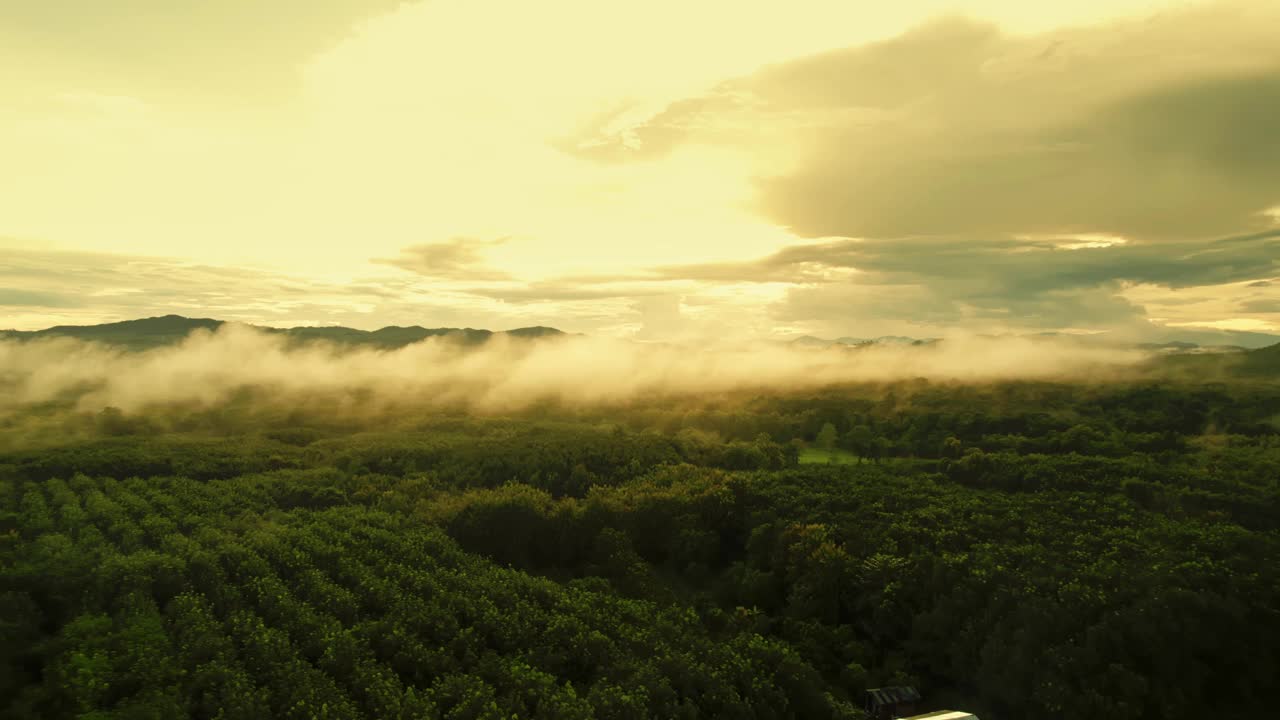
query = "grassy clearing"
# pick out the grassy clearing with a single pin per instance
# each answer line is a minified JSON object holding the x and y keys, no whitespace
{"x":834,"y":457}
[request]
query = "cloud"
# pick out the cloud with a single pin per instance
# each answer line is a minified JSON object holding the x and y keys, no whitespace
{"x":1266,"y":305}
{"x":938,"y":176}
{"x":608,"y":137}
{"x":186,"y":46}
{"x":1012,"y":262}
{"x":561,"y":291}
{"x":961,"y":174}
{"x":1154,"y":130}
{"x":1174,"y":161}
{"x":17,"y":297}
{"x":845,"y":285}
{"x":40,"y":288}
{"x":456,"y":259}
{"x":661,"y":318}
{"x":1047,"y":282}
{"x":926,"y":309}
{"x":47,"y":287}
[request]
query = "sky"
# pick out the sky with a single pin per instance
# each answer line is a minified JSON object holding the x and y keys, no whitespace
{"x":664,"y":170}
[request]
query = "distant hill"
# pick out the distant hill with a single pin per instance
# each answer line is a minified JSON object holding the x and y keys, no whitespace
{"x":1180,"y":358}
{"x":1211,"y":337}
{"x":817,"y":342}
{"x":154,"y":332}
{"x":1175,"y":358}
{"x":811,"y":341}
{"x":135,"y":334}
{"x":1260,"y":362}
{"x":1190,"y":348}
{"x":1208,"y":364}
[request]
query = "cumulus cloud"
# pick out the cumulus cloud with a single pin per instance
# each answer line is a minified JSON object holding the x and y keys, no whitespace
{"x":961,"y":174}
{"x":1153,"y":129}
{"x":209,"y":367}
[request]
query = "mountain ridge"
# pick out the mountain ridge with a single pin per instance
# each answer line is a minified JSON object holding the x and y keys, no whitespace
{"x":1178,"y":356}
{"x":150,"y":332}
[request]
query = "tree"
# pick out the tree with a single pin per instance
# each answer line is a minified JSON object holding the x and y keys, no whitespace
{"x":827,"y":437}
{"x":861,"y":441}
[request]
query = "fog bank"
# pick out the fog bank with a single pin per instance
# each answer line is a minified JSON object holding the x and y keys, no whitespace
{"x":504,"y":374}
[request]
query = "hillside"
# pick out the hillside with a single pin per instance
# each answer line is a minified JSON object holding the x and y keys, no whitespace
{"x":1259,"y":363}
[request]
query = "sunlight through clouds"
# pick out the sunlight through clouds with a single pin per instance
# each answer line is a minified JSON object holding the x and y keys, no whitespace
{"x":619,"y":145}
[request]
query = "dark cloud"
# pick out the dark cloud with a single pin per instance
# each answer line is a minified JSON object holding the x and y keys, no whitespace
{"x":951,"y":280}
{"x":870,"y":310}
{"x":1008,"y":265}
{"x":1265,"y":305}
{"x":1149,"y":167}
{"x":1155,"y":130}
{"x":457,"y":259}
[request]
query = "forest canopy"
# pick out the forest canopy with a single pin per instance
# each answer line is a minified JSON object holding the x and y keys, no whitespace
{"x":1055,"y":547}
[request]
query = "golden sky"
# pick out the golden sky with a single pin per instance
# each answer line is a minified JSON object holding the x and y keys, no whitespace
{"x":651,"y":170}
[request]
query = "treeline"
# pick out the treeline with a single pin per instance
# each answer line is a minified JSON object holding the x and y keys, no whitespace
{"x":916,"y":419}
{"x":898,"y":419}
{"x":561,"y":458}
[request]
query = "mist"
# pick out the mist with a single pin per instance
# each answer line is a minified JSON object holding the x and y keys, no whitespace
{"x":209,"y":368}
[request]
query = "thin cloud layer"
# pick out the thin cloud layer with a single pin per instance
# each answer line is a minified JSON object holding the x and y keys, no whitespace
{"x":456,"y":259}
{"x":194,"y":47}
{"x":41,"y":288}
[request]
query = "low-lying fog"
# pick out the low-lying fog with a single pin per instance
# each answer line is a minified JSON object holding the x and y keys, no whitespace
{"x":503,"y":374}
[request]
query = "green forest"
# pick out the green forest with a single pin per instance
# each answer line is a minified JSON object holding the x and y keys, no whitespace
{"x":1013,"y":549}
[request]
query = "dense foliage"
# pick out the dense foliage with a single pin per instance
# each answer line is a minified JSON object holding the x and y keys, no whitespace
{"x":1020,"y":550}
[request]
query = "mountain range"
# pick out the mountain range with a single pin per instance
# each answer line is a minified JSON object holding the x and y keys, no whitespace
{"x":1176,"y":355}
{"x":1216,"y":343}
{"x":158,"y":331}
{"x":817,"y":342}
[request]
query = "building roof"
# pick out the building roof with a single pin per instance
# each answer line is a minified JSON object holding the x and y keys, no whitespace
{"x":894,"y":695}
{"x":944,"y":715}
